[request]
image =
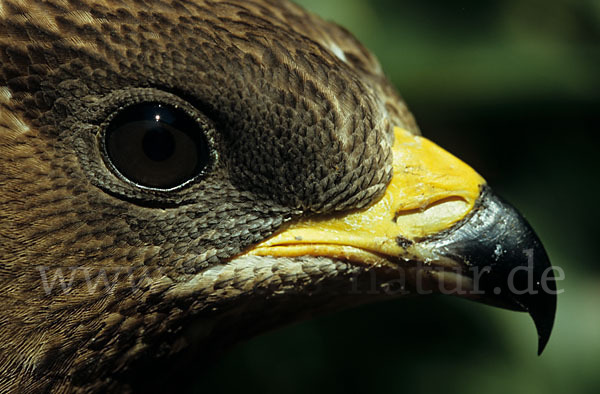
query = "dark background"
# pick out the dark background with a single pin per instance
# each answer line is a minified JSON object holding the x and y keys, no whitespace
{"x":513,"y":88}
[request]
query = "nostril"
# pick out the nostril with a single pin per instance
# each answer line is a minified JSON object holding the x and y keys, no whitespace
{"x":454,"y":200}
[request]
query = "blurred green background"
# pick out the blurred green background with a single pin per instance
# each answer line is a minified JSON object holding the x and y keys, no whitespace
{"x":513,"y":88}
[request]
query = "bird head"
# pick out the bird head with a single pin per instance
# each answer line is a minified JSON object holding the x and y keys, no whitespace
{"x":183,"y":174}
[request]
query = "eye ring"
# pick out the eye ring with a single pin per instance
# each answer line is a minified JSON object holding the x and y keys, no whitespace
{"x":156,"y":146}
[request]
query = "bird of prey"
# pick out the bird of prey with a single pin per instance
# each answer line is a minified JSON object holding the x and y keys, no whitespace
{"x":178,"y":175}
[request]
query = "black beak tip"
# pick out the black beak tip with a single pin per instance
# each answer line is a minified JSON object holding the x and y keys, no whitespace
{"x":499,"y":242}
{"x":540,"y":299}
{"x":543,"y":311}
{"x":542,"y":307}
{"x":544,"y":329}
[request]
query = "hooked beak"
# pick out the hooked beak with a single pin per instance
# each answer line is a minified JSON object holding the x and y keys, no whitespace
{"x":439,"y":216}
{"x":505,"y":259}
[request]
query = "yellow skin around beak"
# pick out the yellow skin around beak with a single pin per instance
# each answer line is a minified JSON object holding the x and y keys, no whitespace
{"x":430,"y":191}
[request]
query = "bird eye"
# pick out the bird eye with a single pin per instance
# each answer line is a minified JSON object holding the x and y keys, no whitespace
{"x":156,"y":145}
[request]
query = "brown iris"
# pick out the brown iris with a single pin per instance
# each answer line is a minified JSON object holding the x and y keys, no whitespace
{"x":156,"y":145}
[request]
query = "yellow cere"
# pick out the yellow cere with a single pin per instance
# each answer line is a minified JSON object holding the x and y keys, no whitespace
{"x":430,"y":191}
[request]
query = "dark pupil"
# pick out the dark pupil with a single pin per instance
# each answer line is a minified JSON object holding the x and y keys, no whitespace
{"x":156,"y":145}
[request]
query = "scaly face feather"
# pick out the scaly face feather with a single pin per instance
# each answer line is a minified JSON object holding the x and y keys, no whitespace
{"x":299,"y":122}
